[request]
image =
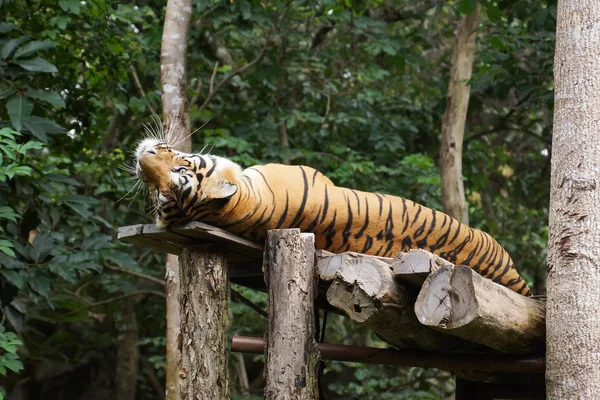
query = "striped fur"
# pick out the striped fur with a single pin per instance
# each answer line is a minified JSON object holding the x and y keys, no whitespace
{"x":215,"y":190}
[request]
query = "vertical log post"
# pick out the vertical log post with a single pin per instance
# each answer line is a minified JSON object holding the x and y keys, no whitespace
{"x":204,"y":323}
{"x":291,"y":353}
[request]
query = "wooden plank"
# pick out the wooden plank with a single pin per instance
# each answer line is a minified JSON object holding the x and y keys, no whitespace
{"x":134,"y":234}
{"x":173,"y":239}
{"x":209,"y":233}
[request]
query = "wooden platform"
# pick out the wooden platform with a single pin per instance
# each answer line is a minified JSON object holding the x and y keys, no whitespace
{"x":245,"y":257}
{"x":245,"y":260}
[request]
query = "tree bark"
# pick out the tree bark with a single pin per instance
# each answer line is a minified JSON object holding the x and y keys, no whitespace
{"x":460,"y":302}
{"x":173,"y":335}
{"x":173,"y":65}
{"x":204,"y":323}
{"x":291,"y":354}
{"x":573,"y":321}
{"x":453,"y":125}
{"x":173,"y":61}
{"x":128,"y":355}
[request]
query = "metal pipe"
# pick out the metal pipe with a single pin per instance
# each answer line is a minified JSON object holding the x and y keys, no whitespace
{"x":409,"y":358}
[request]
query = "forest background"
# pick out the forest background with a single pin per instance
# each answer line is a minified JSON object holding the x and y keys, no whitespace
{"x":356,"y":89}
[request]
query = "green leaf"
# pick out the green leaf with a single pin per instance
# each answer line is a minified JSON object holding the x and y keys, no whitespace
{"x":7,"y":248}
{"x":41,"y":247}
{"x":97,"y":241}
{"x":65,"y":271}
{"x":49,"y":97}
{"x":6,"y":91}
{"x":19,"y":108}
{"x":16,"y":278}
{"x":80,"y":204}
{"x":39,"y":284}
{"x":36,"y":64}
{"x":6,"y":27}
{"x":31,"y":145}
{"x":36,"y":130}
{"x":33,"y":47}
{"x":62,"y":179}
{"x":70,"y":5}
{"x":122,"y":259}
{"x":10,"y":262}
{"x":11,"y":362}
{"x":46,"y":124}
{"x":9,"y":214}
{"x":467,"y":6}
{"x":11,"y":45}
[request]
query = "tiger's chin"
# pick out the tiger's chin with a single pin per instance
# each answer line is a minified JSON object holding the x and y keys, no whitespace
{"x":161,"y":223}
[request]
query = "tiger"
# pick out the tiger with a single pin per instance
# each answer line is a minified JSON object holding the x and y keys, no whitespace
{"x":249,"y":202}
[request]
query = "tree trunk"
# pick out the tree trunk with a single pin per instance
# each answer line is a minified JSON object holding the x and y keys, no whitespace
{"x":573,"y":318}
{"x":173,"y":66}
{"x":173,"y":355}
{"x":453,"y":125}
{"x":291,"y":355}
{"x":204,"y":323}
{"x":176,"y":119}
{"x":128,"y":355}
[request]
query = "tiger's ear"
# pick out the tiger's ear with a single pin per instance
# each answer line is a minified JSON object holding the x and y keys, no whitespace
{"x":222,"y":189}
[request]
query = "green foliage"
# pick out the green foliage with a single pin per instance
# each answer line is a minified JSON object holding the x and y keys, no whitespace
{"x":9,"y":359}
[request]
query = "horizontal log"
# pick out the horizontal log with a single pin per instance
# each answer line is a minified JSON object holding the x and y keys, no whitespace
{"x":458,"y":301}
{"x":364,"y":288}
{"x":413,"y":267}
{"x":371,"y":355}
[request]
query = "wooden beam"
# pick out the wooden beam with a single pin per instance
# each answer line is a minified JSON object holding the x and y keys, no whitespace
{"x":291,"y":355}
{"x":460,"y":302}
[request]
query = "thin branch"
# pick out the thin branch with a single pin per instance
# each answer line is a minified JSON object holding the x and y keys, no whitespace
{"x":238,"y":71}
{"x":136,"y":79}
{"x":197,"y":90}
{"x":118,"y":298}
{"x":212,"y":78}
{"x":326,"y":109}
{"x":137,"y":274}
{"x":236,"y":295}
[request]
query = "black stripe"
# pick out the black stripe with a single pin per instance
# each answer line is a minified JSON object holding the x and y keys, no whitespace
{"x":416,"y":215}
{"x":325,"y":206}
{"x":210,"y":171}
{"x":456,"y":233}
{"x":285,"y":210}
{"x":329,"y":232}
{"x":423,"y":243}
{"x":314,"y":177}
{"x":366,"y":223}
{"x":346,"y":232}
{"x":304,"y":197}
{"x":357,"y":200}
{"x":368,"y":244}
{"x":314,"y":222}
{"x":264,"y":179}
{"x":380,"y":203}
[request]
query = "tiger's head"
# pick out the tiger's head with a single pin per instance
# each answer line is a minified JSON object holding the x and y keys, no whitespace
{"x":184,"y":185}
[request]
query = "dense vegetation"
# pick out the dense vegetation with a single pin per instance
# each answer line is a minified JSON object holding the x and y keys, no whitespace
{"x":353,"y":88}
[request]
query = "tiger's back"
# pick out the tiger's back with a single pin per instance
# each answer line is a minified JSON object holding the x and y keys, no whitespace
{"x":277,"y":196}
